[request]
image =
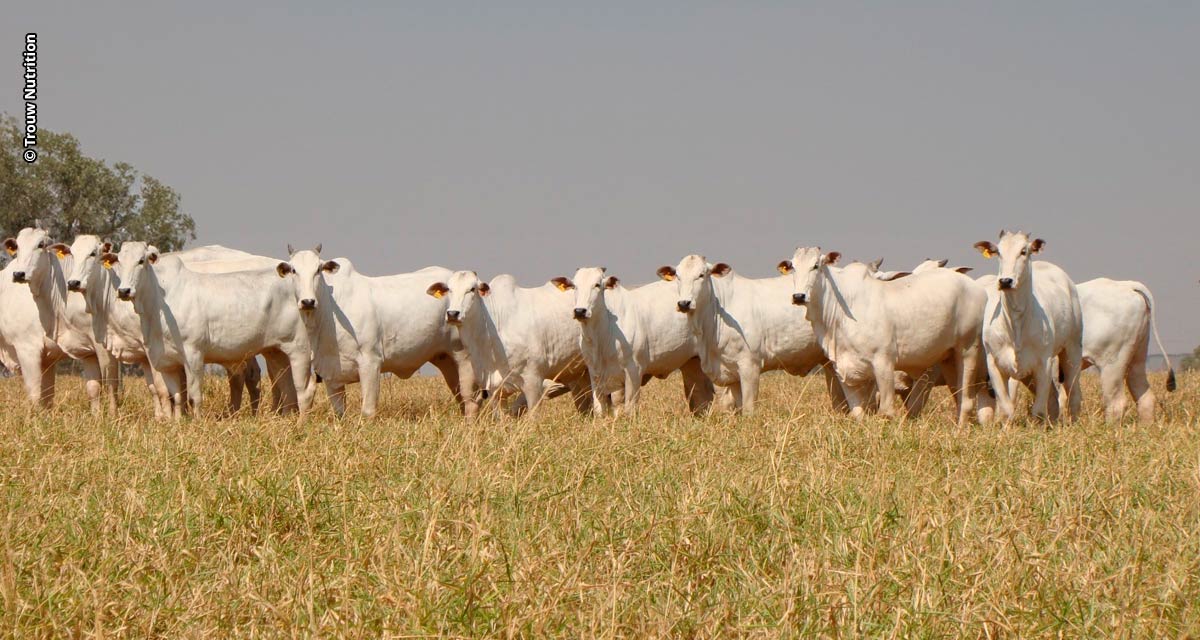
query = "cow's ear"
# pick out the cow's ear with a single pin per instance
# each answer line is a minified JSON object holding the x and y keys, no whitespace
{"x":10,"y":246}
{"x":317,"y":249}
{"x":437,"y":289}
{"x":785,"y":267}
{"x":611,"y":282}
{"x":283,"y":269}
{"x":152,"y":257}
{"x":720,"y":269}
{"x":666,"y":273}
{"x":986,"y":248}
{"x":108,"y":260}
{"x":483,"y":289}
{"x":291,"y":250}
{"x":875,"y":264}
{"x":893,"y":275}
{"x":943,"y":262}
{"x":61,"y":250}
{"x":964,"y":269}
{"x":331,"y":266}
{"x":1037,"y":245}
{"x":832,"y":257}
{"x":563,"y":283}
{"x":106,"y":247}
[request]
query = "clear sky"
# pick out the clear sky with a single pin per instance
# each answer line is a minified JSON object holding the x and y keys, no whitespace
{"x":540,"y":137}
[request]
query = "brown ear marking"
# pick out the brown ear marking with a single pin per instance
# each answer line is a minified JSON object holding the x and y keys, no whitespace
{"x":437,"y":289}
{"x":611,"y":282}
{"x":832,"y":257}
{"x":283,"y":269}
{"x":563,"y":283}
{"x":60,"y":249}
{"x":964,"y":269}
{"x":1037,"y":245}
{"x":331,"y":266}
{"x":986,"y":248}
{"x":10,"y":245}
{"x":483,"y":289}
{"x":106,"y":247}
{"x":785,"y":267}
{"x":108,"y":260}
{"x":152,"y":257}
{"x":666,"y":273}
{"x":721,"y":269}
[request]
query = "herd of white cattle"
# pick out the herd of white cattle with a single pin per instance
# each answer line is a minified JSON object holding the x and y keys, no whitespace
{"x":873,"y":334}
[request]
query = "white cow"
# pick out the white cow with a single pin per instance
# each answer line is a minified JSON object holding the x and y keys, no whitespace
{"x":1118,"y":318}
{"x":360,"y":326}
{"x":871,"y":328}
{"x":117,"y":328}
{"x":28,"y":330}
{"x":190,"y":318}
{"x":517,"y":338}
{"x":1034,"y":318}
{"x":628,"y":336}
{"x":744,"y":326}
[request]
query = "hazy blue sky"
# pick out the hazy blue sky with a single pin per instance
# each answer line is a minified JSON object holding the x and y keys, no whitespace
{"x":539,"y":137}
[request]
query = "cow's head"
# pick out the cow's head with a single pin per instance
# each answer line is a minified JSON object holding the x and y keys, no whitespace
{"x":131,"y":264}
{"x":462,"y":290}
{"x":692,"y":280}
{"x":1015,"y":251}
{"x":32,"y":251}
{"x":306,"y":268}
{"x":805,"y":267}
{"x":589,"y":284}
{"x":86,"y":250}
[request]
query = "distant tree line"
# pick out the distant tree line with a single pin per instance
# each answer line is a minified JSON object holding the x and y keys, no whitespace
{"x":1192,"y":362}
{"x":70,"y":193}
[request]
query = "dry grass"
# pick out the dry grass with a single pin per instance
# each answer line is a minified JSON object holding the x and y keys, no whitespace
{"x":789,"y":523}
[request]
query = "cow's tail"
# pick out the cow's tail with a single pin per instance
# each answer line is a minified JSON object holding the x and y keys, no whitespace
{"x":1145,"y":292}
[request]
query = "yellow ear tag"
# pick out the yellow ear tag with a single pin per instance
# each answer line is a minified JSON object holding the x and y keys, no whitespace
{"x":561,"y":286}
{"x":669,"y":278}
{"x":783,"y":269}
{"x":61,"y":254}
{"x":437,"y":293}
{"x":11,"y":251}
{"x":987,"y":253}
{"x":106,"y":264}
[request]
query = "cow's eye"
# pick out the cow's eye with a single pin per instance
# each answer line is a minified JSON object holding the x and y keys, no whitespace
{"x":142,"y":261}
{"x":92,"y":254}
{"x":472,"y":289}
{"x":816,"y":266}
{"x":597,"y":285}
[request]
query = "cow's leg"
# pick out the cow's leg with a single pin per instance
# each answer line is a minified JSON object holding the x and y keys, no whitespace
{"x":91,"y":382}
{"x":302,"y":383}
{"x":237,"y":380}
{"x":885,"y":382}
{"x":601,"y":402}
{"x":967,"y":364}
{"x":633,"y":388}
{"x":749,"y":387}
{"x":837,"y":395}
{"x":253,"y":376}
{"x":110,"y":377}
{"x":49,"y":373}
{"x":171,"y":391}
{"x":531,"y":390}
{"x":336,"y":392}
{"x":1112,"y":390}
{"x":450,"y":370}
{"x":1071,"y":361}
{"x":284,"y":394}
{"x":194,"y":363}
{"x":697,"y":388}
{"x":1139,"y":386}
{"x":857,"y":399}
{"x":1004,"y":399}
{"x":1043,"y":384}
{"x":160,"y":412}
{"x":369,"y":374}
{"x":581,"y":395}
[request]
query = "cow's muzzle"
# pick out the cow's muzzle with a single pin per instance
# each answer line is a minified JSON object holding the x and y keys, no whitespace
{"x":308,"y":304}
{"x":74,"y":285}
{"x":453,"y":317}
{"x":1005,"y":283}
{"x":684,"y":306}
{"x":799,"y":299}
{"x":19,"y":277}
{"x":125,"y":293}
{"x":581,"y":313}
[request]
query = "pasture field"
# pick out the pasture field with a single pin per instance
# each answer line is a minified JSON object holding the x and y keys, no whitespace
{"x":790,"y":523}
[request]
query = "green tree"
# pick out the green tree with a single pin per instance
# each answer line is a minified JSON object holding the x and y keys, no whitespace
{"x":1192,"y":362}
{"x":70,"y":194}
